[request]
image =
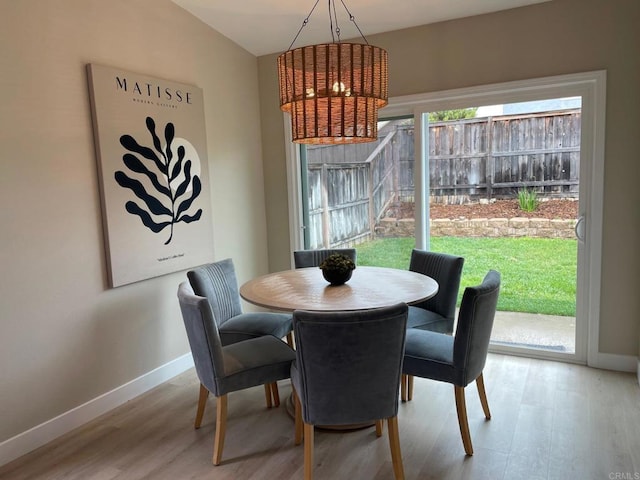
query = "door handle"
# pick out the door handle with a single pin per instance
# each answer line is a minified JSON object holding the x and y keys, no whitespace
{"x":579,"y":228}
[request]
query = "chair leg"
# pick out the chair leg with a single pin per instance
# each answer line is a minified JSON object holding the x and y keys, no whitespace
{"x":221,"y":427}
{"x":461,"y":407}
{"x":276,"y":394}
{"x":202,"y":402}
{"x":308,"y":451}
{"x":267,"y":394}
{"x":394,"y":444}
{"x":298,"y":419}
{"x":409,"y":387}
{"x":483,"y":396}
{"x":290,"y":341}
{"x":378,"y":428}
{"x":403,"y":387}
{"x":406,"y":389}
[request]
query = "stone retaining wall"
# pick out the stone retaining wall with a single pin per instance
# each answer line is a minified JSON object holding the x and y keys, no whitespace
{"x":481,"y":227}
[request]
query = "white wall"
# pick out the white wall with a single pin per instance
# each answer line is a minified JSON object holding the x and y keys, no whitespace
{"x":65,"y":337}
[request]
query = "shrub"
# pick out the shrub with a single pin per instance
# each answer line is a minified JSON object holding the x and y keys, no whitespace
{"x":448,"y":115}
{"x":528,"y":200}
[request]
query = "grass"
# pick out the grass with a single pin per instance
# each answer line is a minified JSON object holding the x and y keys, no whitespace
{"x":538,"y":274}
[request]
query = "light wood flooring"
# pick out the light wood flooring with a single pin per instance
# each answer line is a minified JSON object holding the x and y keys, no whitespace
{"x":550,"y":421}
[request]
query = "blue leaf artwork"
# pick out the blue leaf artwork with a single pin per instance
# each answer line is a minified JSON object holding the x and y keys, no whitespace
{"x":170,"y":189}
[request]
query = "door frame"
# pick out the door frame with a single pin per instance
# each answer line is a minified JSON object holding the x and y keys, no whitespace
{"x":591,"y":86}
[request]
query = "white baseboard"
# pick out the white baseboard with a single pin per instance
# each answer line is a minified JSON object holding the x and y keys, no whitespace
{"x":620,"y":363}
{"x":41,"y":434}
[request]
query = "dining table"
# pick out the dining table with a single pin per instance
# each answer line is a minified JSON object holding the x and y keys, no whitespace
{"x":306,"y":289}
{"x":368,"y":287}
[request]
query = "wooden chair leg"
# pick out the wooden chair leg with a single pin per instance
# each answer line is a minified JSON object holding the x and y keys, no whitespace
{"x":308,"y":452}
{"x":267,"y":394}
{"x":276,"y":394}
{"x":483,"y":397}
{"x":378,"y":428}
{"x":403,"y":387}
{"x":202,"y":402}
{"x":290,"y":341}
{"x":221,"y":427}
{"x":461,"y":407}
{"x":409,"y":387}
{"x":394,"y":444}
{"x":297,"y":418}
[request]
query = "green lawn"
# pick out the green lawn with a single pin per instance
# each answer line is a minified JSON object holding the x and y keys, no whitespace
{"x":538,"y":274}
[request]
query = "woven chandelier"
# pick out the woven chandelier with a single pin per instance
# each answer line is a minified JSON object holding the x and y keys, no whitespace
{"x":333,"y":90}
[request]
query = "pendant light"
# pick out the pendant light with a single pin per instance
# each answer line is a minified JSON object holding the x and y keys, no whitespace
{"x":333,"y":90}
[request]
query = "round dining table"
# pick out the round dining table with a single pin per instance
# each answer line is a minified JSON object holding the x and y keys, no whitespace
{"x":306,"y":289}
{"x":369,"y":287}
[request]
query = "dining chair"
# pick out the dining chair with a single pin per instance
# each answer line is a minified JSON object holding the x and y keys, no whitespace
{"x":218,"y":283}
{"x":458,"y":359}
{"x":340,"y":376}
{"x":313,"y":258}
{"x":437,"y":313}
{"x":223,"y":369}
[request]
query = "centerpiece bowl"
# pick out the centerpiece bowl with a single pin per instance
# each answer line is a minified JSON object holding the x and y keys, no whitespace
{"x":337,"y":269}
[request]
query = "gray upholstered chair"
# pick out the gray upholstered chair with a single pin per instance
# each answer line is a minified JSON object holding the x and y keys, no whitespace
{"x":218,"y":283}
{"x":223,"y":369}
{"x":347,"y":371}
{"x":436,"y":314}
{"x":313,"y":258}
{"x":460,"y":359}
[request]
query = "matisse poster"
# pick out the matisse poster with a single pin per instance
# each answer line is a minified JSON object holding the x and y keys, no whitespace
{"x":152,"y":162}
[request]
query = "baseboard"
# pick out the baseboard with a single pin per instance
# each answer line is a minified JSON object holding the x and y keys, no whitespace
{"x":620,"y":363}
{"x":41,"y":434}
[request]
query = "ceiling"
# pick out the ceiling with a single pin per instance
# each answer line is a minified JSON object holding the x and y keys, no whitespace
{"x":269,"y":26}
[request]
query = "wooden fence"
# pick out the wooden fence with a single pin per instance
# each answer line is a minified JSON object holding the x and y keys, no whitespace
{"x":494,"y":157}
{"x":347,"y":198}
{"x":468,"y":160}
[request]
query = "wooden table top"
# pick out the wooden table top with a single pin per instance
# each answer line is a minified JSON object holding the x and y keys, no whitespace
{"x":369,"y":287}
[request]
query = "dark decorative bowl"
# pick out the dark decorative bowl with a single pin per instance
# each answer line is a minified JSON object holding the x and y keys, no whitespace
{"x":336,"y":277}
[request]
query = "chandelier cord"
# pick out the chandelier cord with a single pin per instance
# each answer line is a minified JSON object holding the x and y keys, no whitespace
{"x":353,"y":19}
{"x":332,"y":19}
{"x":304,"y":24}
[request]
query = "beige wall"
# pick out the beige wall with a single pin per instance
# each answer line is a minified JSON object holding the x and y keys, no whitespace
{"x":65,"y":337}
{"x":554,"y":38}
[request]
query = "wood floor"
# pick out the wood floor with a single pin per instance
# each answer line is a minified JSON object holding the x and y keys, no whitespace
{"x":550,"y":421}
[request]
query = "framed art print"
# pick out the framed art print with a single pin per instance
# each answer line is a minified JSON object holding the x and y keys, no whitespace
{"x":152,"y":161}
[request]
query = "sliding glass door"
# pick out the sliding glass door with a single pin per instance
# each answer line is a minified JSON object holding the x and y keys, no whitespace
{"x":491,"y":147}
